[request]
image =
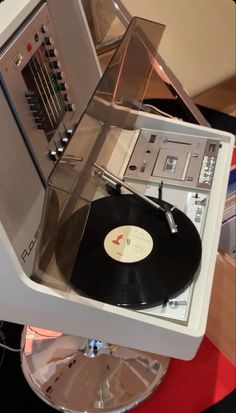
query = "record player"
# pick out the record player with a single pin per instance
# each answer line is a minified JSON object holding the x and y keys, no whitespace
{"x":129,"y":231}
{"x":117,"y":151}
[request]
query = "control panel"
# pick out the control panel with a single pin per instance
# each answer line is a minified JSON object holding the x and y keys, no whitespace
{"x":176,"y":159}
{"x":33,"y":77}
{"x":179,"y":169}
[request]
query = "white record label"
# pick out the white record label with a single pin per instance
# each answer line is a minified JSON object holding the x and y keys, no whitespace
{"x":128,"y":244}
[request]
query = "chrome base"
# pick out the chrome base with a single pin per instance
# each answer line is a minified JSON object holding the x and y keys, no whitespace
{"x":77,"y":375}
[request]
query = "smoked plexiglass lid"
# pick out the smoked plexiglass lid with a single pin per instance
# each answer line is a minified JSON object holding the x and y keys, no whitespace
{"x":73,"y":185}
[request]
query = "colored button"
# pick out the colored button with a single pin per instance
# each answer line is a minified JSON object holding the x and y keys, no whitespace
{"x":29,"y":47}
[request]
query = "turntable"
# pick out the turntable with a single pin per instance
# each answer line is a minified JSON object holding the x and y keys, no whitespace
{"x":143,"y":187}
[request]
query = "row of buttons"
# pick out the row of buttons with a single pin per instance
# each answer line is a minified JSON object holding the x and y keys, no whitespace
{"x":54,"y":154}
{"x":51,"y":53}
{"x":207,"y":170}
{"x":55,"y":64}
{"x":46,"y":105}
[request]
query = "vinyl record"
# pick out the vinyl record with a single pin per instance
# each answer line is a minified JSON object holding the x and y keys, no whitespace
{"x":128,"y":256}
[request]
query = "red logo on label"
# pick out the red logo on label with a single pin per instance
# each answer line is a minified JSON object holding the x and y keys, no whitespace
{"x":117,"y":240}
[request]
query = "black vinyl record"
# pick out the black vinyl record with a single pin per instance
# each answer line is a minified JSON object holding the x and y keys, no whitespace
{"x":128,"y":255}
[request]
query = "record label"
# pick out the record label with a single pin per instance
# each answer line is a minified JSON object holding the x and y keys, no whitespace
{"x":128,"y":243}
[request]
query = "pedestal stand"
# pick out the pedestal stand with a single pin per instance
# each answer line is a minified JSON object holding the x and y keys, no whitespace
{"x":78,"y":375}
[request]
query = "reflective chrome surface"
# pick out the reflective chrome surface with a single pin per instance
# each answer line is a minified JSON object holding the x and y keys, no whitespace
{"x":74,"y":374}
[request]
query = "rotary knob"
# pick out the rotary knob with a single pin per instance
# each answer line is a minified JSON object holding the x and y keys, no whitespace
{"x":40,"y":126}
{"x":70,"y":107}
{"x":29,"y":93}
{"x":69,"y":132}
{"x":34,"y":107}
{"x":48,"y":41}
{"x":43,"y":28}
{"x":55,"y":64}
{"x":60,"y":75}
{"x":37,"y":114}
{"x":63,"y":86}
{"x":39,"y":123}
{"x":60,"y":150}
{"x":51,"y":53}
{"x":31,"y":97}
{"x":64,"y":140}
{"x":53,"y":155}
